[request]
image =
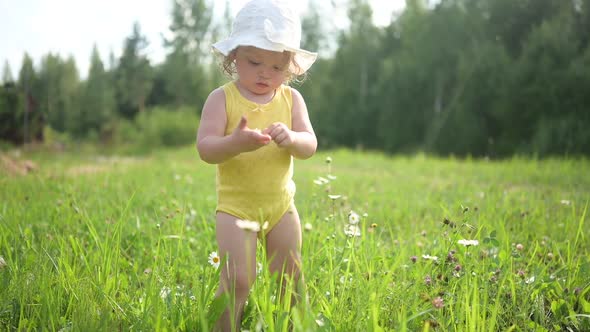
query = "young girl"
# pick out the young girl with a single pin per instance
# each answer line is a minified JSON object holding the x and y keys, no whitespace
{"x":252,"y":128}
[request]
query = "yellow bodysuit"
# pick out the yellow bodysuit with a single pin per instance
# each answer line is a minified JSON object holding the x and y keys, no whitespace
{"x":257,"y":185}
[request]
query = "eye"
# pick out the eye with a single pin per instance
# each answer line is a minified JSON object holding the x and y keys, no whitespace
{"x":253,"y":63}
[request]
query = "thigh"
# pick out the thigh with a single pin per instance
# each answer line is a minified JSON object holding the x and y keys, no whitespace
{"x":237,"y":249}
{"x":283,"y":243}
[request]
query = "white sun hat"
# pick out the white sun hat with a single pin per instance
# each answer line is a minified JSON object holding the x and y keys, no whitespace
{"x":271,"y":25}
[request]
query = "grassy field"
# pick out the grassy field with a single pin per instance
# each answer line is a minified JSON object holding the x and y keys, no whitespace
{"x":110,"y":243}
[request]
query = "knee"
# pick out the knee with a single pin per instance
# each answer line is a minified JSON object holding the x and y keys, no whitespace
{"x":290,"y":268}
{"x":242,"y":282}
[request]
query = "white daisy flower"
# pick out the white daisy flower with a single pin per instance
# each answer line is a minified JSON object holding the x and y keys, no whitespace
{"x":308,"y":227}
{"x":428,"y":257}
{"x":468,"y":243}
{"x":530,"y":280}
{"x":353,"y":218}
{"x":352,"y":231}
{"x":334,"y":197}
{"x":321,"y":181}
{"x":331,"y":177}
{"x":565,"y":202}
{"x":248,"y":225}
{"x":214,"y":259}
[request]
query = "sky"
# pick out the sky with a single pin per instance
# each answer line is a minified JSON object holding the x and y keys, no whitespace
{"x":73,"y":27}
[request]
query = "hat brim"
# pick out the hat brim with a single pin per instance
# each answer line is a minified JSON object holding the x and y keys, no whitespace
{"x":303,"y":58}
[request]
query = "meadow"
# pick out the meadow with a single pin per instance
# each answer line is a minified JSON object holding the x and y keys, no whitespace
{"x":105,"y":243}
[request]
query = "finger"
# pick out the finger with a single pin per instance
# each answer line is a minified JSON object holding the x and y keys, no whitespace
{"x":264,"y":139}
{"x":276,"y":132}
{"x":243,"y":123}
{"x":280,"y":138}
{"x":267,"y":130}
{"x":261,"y":137}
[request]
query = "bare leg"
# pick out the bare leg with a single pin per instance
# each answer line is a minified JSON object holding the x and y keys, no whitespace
{"x":283,"y":249}
{"x":239,"y":271}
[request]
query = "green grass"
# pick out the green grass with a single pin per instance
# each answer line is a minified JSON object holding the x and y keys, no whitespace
{"x":122,"y":244}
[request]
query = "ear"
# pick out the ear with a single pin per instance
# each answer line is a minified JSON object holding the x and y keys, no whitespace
{"x":233,"y":54}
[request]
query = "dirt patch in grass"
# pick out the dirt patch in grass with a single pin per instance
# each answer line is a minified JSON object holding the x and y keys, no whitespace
{"x":16,"y":167}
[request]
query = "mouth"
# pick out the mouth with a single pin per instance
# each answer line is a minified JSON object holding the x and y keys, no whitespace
{"x":262,"y":85}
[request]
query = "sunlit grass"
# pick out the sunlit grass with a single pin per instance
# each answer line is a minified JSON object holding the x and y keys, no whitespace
{"x":108,"y":243}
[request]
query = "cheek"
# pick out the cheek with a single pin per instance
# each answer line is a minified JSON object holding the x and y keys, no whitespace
{"x":244,"y":70}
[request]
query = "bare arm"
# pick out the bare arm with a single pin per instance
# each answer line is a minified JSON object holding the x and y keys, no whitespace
{"x":300,"y":140}
{"x":213,"y":145}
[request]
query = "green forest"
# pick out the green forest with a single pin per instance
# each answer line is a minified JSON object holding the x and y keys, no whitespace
{"x":482,"y":78}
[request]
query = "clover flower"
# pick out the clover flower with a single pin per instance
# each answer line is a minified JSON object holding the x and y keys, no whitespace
{"x":438,"y":302}
{"x":164,"y":292}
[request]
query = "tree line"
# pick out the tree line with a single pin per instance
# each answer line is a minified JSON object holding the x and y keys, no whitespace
{"x":464,"y":77}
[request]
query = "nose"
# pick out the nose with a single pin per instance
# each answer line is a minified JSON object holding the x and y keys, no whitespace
{"x":264,"y":72}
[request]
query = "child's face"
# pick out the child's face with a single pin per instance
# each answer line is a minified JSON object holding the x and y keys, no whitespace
{"x":261,"y":71}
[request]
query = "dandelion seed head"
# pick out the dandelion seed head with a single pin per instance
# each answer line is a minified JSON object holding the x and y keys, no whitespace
{"x":252,"y":226}
{"x":519,"y":247}
{"x":328,"y":160}
{"x":352,"y":231}
{"x":353,"y":218}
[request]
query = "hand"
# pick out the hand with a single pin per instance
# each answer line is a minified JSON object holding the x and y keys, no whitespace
{"x":248,"y":139}
{"x":281,"y":134}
